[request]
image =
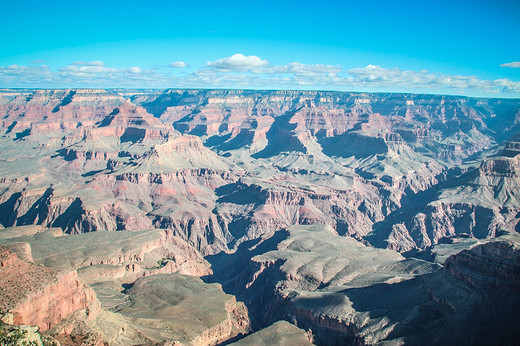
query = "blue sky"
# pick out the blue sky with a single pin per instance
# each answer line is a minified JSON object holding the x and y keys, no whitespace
{"x":445,"y":47}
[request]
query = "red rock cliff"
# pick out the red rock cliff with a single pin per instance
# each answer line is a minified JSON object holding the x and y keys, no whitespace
{"x":40,"y":296}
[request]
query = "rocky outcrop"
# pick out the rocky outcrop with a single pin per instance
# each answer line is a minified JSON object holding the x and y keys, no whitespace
{"x":494,"y":265}
{"x":181,"y":317}
{"x":279,"y":333}
{"x":40,"y":296}
{"x":501,"y":167}
{"x":479,"y":203}
{"x":347,"y":293}
{"x":237,"y":322}
{"x":100,"y":256}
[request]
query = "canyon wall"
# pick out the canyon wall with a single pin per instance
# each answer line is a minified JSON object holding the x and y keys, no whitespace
{"x":220,"y":167}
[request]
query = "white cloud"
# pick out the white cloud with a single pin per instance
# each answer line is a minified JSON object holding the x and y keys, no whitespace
{"x":22,"y":76}
{"x":256,"y":73}
{"x":99,"y":75}
{"x":290,"y":76}
{"x":293,"y":75}
{"x":514,"y":64}
{"x":397,"y":78}
{"x":80,"y":68}
{"x":299,"y":69}
{"x":135,"y":69}
{"x":238,"y":62}
{"x":90,"y":63}
{"x":80,"y":74}
{"x":95,"y":68}
{"x":369,"y":78}
{"x":178,"y":64}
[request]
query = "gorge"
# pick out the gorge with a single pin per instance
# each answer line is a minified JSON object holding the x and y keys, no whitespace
{"x":217,"y":216}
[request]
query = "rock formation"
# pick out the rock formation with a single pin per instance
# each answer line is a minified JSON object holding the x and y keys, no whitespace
{"x":347,"y":293}
{"x":279,"y":333}
{"x":55,"y":299}
{"x":40,"y":296}
{"x":218,"y":318}
{"x":124,"y":160}
{"x":357,"y":217}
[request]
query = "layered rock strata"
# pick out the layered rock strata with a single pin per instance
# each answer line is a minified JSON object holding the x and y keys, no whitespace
{"x":130,"y":158}
{"x":348,"y":293}
{"x":40,"y":296}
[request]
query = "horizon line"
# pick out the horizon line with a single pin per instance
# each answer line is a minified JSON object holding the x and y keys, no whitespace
{"x":268,"y":90}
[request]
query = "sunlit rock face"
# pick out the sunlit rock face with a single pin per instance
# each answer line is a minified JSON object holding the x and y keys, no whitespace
{"x":223,"y":166}
{"x":289,"y":199}
{"x":40,"y":296}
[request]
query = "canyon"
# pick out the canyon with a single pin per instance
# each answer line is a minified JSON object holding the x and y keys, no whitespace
{"x":259,"y":217}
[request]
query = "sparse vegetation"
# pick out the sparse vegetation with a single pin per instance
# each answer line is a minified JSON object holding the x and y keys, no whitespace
{"x":10,"y":335}
{"x":14,"y":335}
{"x":48,"y":341}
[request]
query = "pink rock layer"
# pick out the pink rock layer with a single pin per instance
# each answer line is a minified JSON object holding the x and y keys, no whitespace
{"x":40,"y":296}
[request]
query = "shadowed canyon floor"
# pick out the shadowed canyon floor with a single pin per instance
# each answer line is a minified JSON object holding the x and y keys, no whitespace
{"x":202,"y":216}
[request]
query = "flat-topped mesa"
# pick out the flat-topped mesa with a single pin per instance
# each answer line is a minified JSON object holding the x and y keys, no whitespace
{"x":279,"y":333}
{"x":40,"y":296}
{"x":187,"y":152}
{"x":130,"y":123}
{"x":506,"y":163}
{"x":101,"y":256}
{"x":51,"y":110}
{"x":190,"y":311}
{"x":512,"y":147}
{"x":494,"y":265}
{"x":130,"y":115}
{"x":180,"y":143}
{"x":176,"y":153}
{"x":501,"y":167}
